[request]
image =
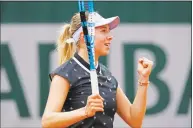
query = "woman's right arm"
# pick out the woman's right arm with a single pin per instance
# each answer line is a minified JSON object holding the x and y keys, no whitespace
{"x":53,"y":117}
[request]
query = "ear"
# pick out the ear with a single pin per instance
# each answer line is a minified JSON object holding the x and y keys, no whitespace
{"x":81,"y":36}
{"x":81,"y":41}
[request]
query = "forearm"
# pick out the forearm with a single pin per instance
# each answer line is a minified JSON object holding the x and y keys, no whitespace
{"x":138,"y":108}
{"x":63,"y":119}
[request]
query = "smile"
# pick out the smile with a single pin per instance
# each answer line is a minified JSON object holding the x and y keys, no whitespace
{"x":107,"y":44}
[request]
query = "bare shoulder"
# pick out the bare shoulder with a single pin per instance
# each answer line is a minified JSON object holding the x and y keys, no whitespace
{"x":57,"y":95}
{"x":60,"y":82}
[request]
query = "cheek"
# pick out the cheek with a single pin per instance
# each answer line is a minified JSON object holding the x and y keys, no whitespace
{"x":99,"y":43}
{"x":99,"y":40}
{"x":100,"y":48}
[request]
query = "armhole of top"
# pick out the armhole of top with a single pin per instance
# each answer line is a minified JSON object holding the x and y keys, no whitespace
{"x":51,"y":76}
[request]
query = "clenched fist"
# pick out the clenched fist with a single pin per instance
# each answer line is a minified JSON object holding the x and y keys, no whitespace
{"x":144,"y":69}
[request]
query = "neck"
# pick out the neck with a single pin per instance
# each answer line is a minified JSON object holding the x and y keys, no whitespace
{"x":84,"y":54}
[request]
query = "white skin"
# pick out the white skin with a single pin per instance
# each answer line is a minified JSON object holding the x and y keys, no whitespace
{"x":102,"y":43}
{"x":131,"y":113}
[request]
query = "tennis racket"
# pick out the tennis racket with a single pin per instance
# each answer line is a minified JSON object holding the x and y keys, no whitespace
{"x":89,"y":33}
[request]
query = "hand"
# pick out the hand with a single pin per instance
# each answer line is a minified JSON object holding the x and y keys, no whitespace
{"x":144,"y":69}
{"x":94,"y":104}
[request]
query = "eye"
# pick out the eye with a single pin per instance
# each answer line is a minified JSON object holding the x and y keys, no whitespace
{"x":103,"y":30}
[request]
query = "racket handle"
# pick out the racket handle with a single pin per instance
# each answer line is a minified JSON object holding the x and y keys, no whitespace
{"x":94,"y":82}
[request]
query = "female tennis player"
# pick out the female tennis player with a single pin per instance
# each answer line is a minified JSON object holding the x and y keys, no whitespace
{"x":71,"y":102}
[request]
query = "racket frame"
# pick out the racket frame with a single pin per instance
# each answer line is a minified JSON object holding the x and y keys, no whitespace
{"x":89,"y":33}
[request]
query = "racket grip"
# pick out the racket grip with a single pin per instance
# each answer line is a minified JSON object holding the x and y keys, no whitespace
{"x":94,"y":82}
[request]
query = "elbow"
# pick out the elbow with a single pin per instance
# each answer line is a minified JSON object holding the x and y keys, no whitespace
{"x":136,"y":124}
{"x":50,"y":121}
{"x":45,"y":122}
{"x":136,"y":119}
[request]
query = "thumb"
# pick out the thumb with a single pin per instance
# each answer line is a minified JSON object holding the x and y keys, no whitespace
{"x":145,"y":64}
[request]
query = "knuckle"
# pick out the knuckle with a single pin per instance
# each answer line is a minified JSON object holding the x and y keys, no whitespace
{"x":96,"y":95}
{"x":89,"y":97}
{"x":92,"y":104}
{"x":89,"y":101}
{"x":99,"y":96}
{"x":93,"y":109}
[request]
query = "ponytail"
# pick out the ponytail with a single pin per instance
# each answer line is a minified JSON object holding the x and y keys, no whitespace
{"x":65,"y":50}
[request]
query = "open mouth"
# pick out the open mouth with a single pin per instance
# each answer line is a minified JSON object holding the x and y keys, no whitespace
{"x":107,"y":44}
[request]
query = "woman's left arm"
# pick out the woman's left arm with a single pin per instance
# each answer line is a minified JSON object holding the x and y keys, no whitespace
{"x":133,"y":114}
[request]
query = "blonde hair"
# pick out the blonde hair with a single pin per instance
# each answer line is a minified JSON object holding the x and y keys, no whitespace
{"x":67,"y":50}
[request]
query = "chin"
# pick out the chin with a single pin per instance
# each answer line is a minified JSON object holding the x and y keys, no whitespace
{"x":104,"y":53}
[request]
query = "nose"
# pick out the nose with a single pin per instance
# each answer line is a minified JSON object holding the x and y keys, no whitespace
{"x":109,"y":38}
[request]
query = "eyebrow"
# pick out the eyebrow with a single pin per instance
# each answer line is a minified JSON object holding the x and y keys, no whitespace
{"x":104,"y":27}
